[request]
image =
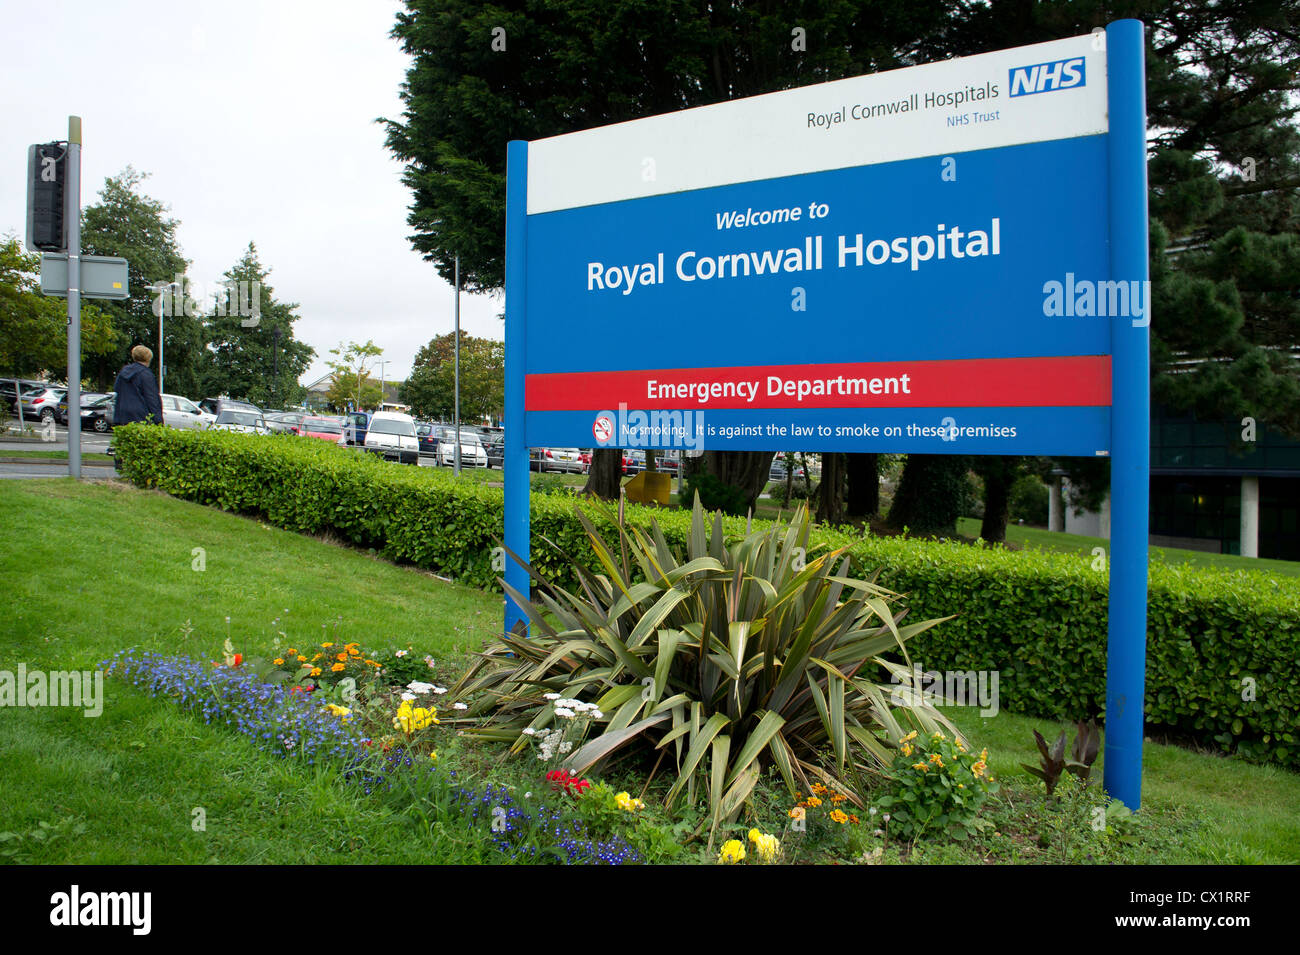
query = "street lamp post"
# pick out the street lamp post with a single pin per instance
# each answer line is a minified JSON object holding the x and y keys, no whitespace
{"x":381,"y":363}
{"x":158,"y":287}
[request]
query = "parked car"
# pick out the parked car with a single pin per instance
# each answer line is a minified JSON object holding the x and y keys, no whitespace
{"x":777,"y":472}
{"x":358,"y":423}
{"x":43,"y":403}
{"x":98,"y":415}
{"x":393,"y":435}
{"x":633,"y":462}
{"x":214,"y":406}
{"x":494,"y":447}
{"x":669,"y":460}
{"x":555,"y":459}
{"x":87,"y":399}
{"x":472,"y":452}
{"x":325,"y":427}
{"x":246,"y":422}
{"x":287,"y":422}
{"x":180,"y":412}
{"x":10,"y":388}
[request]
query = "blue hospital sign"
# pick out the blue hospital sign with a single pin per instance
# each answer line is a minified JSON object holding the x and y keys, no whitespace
{"x":950,"y":258}
{"x":911,"y":261}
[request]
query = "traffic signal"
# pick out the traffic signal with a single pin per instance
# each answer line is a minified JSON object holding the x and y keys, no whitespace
{"x":46,"y":178}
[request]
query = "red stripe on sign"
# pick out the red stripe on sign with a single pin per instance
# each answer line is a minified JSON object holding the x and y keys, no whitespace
{"x":1076,"y":380}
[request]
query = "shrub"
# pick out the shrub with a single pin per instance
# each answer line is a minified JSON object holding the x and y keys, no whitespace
{"x":936,"y":785}
{"x":724,"y":659}
{"x":1028,"y":500}
{"x":1221,"y":646}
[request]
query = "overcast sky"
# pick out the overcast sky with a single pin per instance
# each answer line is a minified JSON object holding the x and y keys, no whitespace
{"x":254,"y":121}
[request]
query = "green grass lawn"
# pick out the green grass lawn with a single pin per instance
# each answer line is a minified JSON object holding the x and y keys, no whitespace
{"x":1031,"y":537}
{"x":95,"y":567}
{"x":53,"y":456}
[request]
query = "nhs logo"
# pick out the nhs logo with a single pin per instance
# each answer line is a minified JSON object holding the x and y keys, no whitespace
{"x":1045,"y":77}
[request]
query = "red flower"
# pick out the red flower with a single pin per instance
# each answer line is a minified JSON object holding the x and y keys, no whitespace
{"x":239,"y":658}
{"x":561,"y":781}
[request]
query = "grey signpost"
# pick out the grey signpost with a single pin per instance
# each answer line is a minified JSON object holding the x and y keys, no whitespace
{"x":74,"y":276}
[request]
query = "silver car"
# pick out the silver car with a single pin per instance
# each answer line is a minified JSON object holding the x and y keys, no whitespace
{"x":180,"y":412}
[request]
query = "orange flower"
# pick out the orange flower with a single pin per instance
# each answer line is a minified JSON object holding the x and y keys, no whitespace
{"x":342,"y":658}
{"x":813,"y":801}
{"x":838,"y":816}
{"x":338,"y":668}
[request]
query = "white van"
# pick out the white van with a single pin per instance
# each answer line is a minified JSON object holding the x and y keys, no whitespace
{"x":393,"y":435}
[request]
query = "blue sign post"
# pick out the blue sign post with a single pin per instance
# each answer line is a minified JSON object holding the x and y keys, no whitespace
{"x":949,"y":258}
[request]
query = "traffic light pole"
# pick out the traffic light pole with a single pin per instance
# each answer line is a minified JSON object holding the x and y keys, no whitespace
{"x":72,"y":219}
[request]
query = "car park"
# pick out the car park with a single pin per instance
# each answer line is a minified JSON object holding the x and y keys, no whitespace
{"x":494,"y":447}
{"x":392,"y":435}
{"x":10,"y":388}
{"x":245,"y":422}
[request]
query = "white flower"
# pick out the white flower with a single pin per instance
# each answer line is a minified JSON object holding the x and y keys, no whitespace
{"x":409,"y":697}
{"x":597,"y":715}
{"x":564,"y":711}
{"x":439,"y":690}
{"x":459,"y":706}
{"x":415,"y":686}
{"x":550,"y":696}
{"x":565,"y":747}
{"x":400,"y":653}
{"x":529,"y":731}
{"x":872,"y":810}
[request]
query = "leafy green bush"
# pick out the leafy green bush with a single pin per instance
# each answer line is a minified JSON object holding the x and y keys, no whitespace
{"x":1221,"y":646}
{"x":936,"y":785}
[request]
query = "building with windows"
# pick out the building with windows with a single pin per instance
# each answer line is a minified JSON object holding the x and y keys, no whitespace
{"x":1225,"y":487}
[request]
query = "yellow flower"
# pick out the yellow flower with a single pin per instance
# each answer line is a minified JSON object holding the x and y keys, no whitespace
{"x":733,"y":851}
{"x":819,"y":790}
{"x":767,"y":846}
{"x":978,"y":768}
{"x":434,"y":756}
{"x":410,"y":718}
{"x":341,"y":657}
{"x":315,"y":671}
{"x":839,"y":797}
{"x":292,"y":650}
{"x":317,"y":657}
{"x":327,"y":645}
{"x":921,"y":766}
{"x":813,"y":801}
{"x":278,"y":661}
{"x":936,"y":759}
{"x":338,"y":710}
{"x":907,"y":749}
{"x":838,"y":816}
{"x":937,"y":735}
{"x":909,"y":736}
{"x":796,"y":813}
{"x":338,"y":668}
{"x":627,"y":803}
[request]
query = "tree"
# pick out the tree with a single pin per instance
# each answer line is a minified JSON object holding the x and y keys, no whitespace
{"x":1224,"y":174}
{"x":33,"y":327}
{"x":127,"y":224}
{"x":252,"y":356}
{"x":430,"y":389}
{"x":352,"y":383}
{"x":931,"y":493}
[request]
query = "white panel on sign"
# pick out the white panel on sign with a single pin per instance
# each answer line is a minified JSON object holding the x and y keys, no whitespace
{"x":1030,"y":94}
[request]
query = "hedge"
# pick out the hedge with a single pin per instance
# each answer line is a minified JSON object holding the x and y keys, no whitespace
{"x":1215,"y":639}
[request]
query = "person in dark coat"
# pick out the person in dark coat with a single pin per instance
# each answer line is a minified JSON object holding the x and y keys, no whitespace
{"x":137,"y":391}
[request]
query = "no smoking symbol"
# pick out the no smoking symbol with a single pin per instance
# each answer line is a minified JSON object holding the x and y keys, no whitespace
{"x":602,"y":429}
